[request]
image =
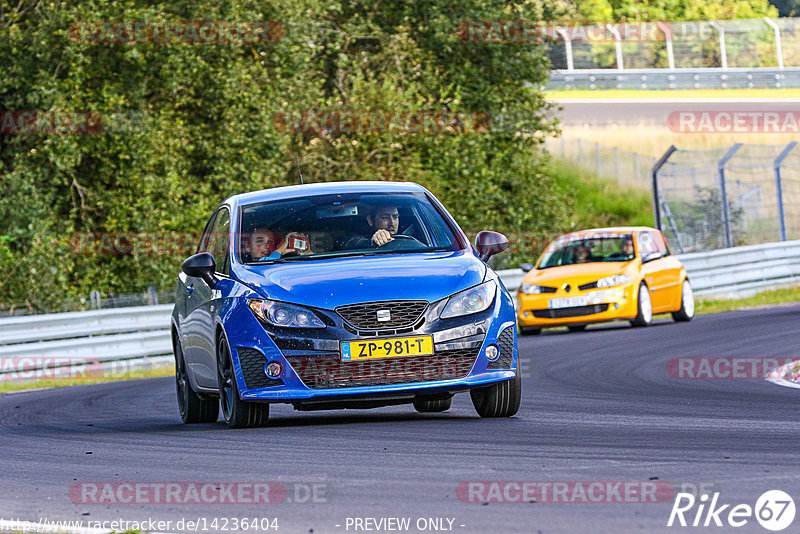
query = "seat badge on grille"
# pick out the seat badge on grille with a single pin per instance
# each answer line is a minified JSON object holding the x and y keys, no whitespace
{"x":384,"y":315}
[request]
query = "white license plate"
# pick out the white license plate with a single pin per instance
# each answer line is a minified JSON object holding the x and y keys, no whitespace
{"x":567,"y":302}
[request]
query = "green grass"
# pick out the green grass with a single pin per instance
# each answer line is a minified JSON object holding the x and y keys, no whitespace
{"x":599,"y":202}
{"x":765,"y":298}
{"x":8,"y":386}
{"x":676,"y":94}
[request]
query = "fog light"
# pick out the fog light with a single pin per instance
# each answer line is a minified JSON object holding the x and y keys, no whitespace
{"x":492,"y":353}
{"x":526,"y":314}
{"x":274,"y":369}
{"x":616,"y":305}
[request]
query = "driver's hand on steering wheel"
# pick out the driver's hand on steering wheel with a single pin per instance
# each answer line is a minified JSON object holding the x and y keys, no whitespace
{"x":381,"y":237}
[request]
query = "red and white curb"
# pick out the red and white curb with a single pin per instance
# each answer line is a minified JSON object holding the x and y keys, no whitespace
{"x":787,"y":375}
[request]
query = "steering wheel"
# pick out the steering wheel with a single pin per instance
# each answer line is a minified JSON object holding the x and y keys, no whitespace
{"x":403,"y":242}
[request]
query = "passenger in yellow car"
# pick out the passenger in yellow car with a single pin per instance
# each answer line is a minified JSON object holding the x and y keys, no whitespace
{"x":581,"y":254}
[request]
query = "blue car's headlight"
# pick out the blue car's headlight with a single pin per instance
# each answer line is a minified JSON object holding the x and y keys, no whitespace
{"x":473,"y":300}
{"x":285,"y":315}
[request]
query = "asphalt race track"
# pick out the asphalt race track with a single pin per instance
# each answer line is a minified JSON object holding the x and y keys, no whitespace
{"x":597,"y":406}
{"x":596,"y":112}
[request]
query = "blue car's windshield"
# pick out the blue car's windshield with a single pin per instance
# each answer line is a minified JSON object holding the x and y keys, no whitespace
{"x":327,"y":226}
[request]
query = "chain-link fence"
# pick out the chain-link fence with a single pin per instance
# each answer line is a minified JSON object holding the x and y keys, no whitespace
{"x":762,"y":42}
{"x":629,"y":169}
{"x":725,"y":197}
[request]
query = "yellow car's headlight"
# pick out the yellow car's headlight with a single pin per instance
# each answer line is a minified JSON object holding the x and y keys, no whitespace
{"x":616,"y":280}
{"x":533,"y":289}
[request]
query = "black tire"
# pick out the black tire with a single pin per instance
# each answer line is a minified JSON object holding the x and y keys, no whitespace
{"x":529,"y":331}
{"x":236,"y":412}
{"x":499,"y":400}
{"x":577,"y":328}
{"x":192,"y":407}
{"x":686,"y":312}
{"x":643,"y":316}
{"x":423,"y":405}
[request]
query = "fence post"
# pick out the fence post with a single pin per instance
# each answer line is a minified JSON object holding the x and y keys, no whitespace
{"x":580,"y":151}
{"x":778,"y":47}
{"x":726,"y":209}
{"x":597,"y":161}
{"x":152,"y":296}
{"x":616,"y":163}
{"x":567,"y":46}
{"x":617,"y":45}
{"x":668,"y":39}
{"x":563,"y":151}
{"x":654,"y":175}
{"x":94,"y":299}
{"x":779,"y":186}
{"x":723,"y":54}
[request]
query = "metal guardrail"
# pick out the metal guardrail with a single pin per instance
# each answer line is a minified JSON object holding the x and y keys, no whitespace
{"x":743,"y":271}
{"x":726,"y":273}
{"x":694,"y":78}
{"x":115,"y":340}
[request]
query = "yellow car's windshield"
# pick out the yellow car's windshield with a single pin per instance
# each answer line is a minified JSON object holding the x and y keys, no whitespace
{"x":570,"y":250}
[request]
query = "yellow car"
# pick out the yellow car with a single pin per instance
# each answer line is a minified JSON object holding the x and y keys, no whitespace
{"x":603,"y":274}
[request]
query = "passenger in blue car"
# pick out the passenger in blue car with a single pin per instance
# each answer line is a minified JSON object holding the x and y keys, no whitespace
{"x":265,"y":245}
{"x":383,"y":220}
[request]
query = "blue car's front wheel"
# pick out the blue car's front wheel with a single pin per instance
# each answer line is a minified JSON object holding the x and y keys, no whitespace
{"x":193,"y":408}
{"x":498,"y":400}
{"x":236,"y":412}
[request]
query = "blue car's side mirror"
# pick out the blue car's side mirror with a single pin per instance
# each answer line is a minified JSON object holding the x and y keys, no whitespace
{"x":201,"y":265}
{"x":489,"y":243}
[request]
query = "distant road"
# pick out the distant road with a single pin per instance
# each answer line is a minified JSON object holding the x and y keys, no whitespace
{"x":602,"y":111}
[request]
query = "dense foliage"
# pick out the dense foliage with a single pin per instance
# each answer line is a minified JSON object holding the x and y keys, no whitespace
{"x":202,"y":123}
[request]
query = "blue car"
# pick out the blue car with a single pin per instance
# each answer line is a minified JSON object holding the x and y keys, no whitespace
{"x":341,"y":295}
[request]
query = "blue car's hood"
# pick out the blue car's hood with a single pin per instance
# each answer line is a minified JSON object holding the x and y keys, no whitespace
{"x":339,"y":281}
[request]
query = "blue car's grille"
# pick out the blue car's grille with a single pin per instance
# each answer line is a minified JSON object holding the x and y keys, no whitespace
{"x":395,"y":314}
{"x":506,"y":343}
{"x":252,"y":363}
{"x":324,"y":372}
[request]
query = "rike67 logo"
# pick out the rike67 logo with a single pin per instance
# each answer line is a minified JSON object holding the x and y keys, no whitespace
{"x":774,"y":510}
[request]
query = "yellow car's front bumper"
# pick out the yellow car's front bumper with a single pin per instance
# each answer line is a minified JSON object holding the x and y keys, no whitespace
{"x":594,"y":306}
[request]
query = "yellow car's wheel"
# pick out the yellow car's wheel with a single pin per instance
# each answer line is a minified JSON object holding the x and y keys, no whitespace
{"x":687,"y":303}
{"x":644,"y":306}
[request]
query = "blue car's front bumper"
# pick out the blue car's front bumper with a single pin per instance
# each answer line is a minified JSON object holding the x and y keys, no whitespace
{"x":313,"y":370}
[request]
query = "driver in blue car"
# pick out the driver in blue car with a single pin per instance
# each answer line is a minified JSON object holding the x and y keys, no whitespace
{"x":384,"y":220}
